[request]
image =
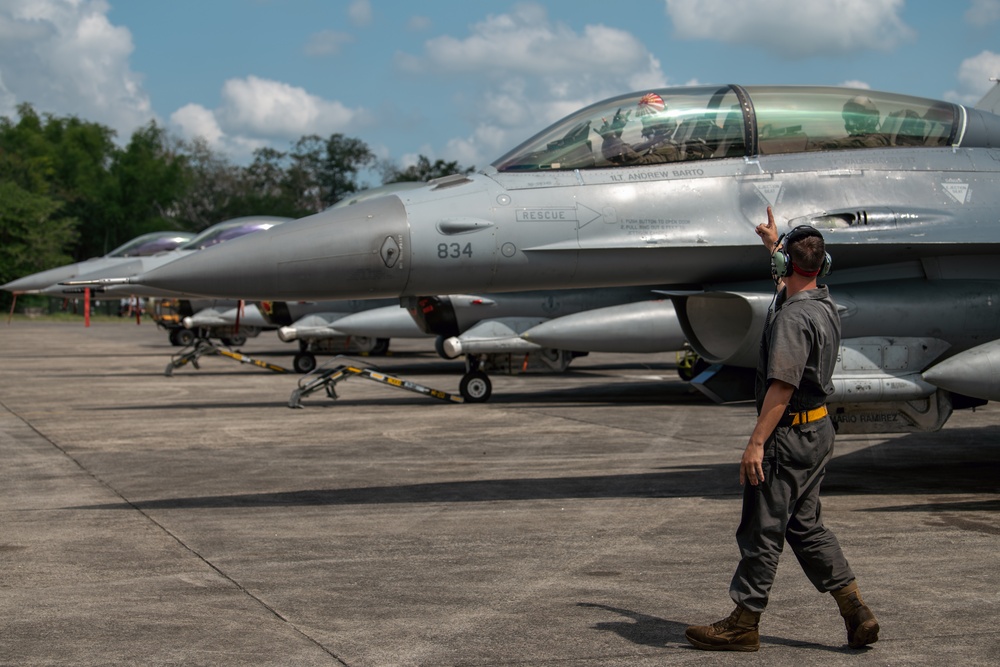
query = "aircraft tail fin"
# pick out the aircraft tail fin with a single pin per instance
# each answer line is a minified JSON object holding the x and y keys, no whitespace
{"x":991,"y":100}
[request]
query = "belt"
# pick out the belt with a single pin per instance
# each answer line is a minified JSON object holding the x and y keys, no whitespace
{"x":804,"y":417}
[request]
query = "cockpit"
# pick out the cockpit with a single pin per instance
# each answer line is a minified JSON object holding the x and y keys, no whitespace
{"x":150,"y":244}
{"x":230,"y":229}
{"x":716,"y":122}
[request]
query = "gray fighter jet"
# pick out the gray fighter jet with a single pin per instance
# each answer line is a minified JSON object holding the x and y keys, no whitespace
{"x":111,"y":277}
{"x":141,"y":246}
{"x":665,"y":187}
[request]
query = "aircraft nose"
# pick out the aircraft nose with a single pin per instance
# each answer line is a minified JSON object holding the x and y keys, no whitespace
{"x":343,"y":252}
{"x":42,"y":279}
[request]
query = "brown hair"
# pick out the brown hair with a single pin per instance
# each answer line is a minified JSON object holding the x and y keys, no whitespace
{"x":807,"y":250}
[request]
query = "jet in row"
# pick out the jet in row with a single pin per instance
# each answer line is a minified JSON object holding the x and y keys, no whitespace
{"x":665,"y":187}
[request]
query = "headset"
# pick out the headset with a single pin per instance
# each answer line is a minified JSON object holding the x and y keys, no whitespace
{"x":781,"y":262}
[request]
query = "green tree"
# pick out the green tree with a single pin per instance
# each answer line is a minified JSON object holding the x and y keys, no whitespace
{"x":148,"y":179}
{"x":115,"y":194}
{"x":213,"y":187}
{"x":33,"y":236}
{"x":423,"y":170}
{"x":344,"y":158}
{"x":63,"y":159}
{"x":36,"y":232}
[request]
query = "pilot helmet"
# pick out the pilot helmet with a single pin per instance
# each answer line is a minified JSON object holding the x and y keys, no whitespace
{"x":651,"y":111}
{"x":860,"y":115}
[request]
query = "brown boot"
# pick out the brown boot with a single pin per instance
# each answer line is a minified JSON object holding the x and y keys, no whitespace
{"x":736,"y":633}
{"x":862,"y":627}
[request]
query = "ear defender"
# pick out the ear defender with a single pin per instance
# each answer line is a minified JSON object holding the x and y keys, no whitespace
{"x":781,"y":262}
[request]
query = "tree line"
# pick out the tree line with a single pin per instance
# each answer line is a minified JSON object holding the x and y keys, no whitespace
{"x":69,"y":192}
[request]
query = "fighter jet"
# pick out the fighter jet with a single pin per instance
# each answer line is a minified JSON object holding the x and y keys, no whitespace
{"x":110,"y":279}
{"x":111,"y":276}
{"x":141,"y":246}
{"x":665,"y":187}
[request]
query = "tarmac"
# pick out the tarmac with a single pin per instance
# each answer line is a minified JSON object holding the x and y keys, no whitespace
{"x":579,"y":519}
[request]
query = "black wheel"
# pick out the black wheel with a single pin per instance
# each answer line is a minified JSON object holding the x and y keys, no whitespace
{"x":235,"y":340}
{"x":172,"y":337}
{"x":304,"y":362}
{"x":183,"y":337}
{"x":381,"y":347}
{"x":475,"y":387}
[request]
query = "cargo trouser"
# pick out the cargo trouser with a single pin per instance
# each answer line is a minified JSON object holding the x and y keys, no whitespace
{"x":786,"y":507}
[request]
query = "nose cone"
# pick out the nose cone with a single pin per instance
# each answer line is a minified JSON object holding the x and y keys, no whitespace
{"x":350,"y":252}
{"x":125,"y":267}
{"x":39,"y":281}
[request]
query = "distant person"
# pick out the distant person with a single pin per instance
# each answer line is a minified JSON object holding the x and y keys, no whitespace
{"x":785,"y":459}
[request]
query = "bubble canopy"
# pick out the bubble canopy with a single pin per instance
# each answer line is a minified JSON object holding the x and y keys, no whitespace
{"x":717,"y":122}
{"x":231,"y":229}
{"x":150,"y":244}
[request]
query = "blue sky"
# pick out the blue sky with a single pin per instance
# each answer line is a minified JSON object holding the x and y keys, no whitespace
{"x":461,"y":80}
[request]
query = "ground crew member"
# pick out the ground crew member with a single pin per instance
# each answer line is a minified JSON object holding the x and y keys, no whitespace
{"x":785,"y":459}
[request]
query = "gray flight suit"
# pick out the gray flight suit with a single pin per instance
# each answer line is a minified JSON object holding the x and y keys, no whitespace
{"x":800,"y":347}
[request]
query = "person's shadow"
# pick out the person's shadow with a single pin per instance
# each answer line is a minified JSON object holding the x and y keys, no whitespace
{"x":653,"y":631}
{"x":641,"y":628}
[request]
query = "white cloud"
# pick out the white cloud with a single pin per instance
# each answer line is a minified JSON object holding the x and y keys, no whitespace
{"x":418,"y":23}
{"x":854,"y":83}
{"x":528,"y":71}
{"x":327,"y":43}
{"x":257,"y":111}
{"x":525,"y":41}
{"x":982,"y":12}
{"x":974,"y":76}
{"x":794,"y":28}
{"x":360,"y":12}
{"x":67,"y":58}
{"x":194,"y":120}
{"x":269,"y":108}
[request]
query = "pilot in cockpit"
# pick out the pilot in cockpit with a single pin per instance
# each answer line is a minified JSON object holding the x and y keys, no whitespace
{"x":657,"y":132}
{"x":861,"y":122}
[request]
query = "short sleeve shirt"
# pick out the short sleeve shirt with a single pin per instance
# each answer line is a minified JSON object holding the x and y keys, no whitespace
{"x":800,"y":347}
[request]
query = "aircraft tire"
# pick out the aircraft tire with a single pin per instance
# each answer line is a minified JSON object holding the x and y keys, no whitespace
{"x":182,"y":337}
{"x":235,"y":340}
{"x":304,"y":362}
{"x":475,"y":387}
{"x":381,"y":347}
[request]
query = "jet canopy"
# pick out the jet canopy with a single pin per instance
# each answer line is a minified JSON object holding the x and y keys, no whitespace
{"x":231,"y":229}
{"x":150,"y":244}
{"x":715,"y":122}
